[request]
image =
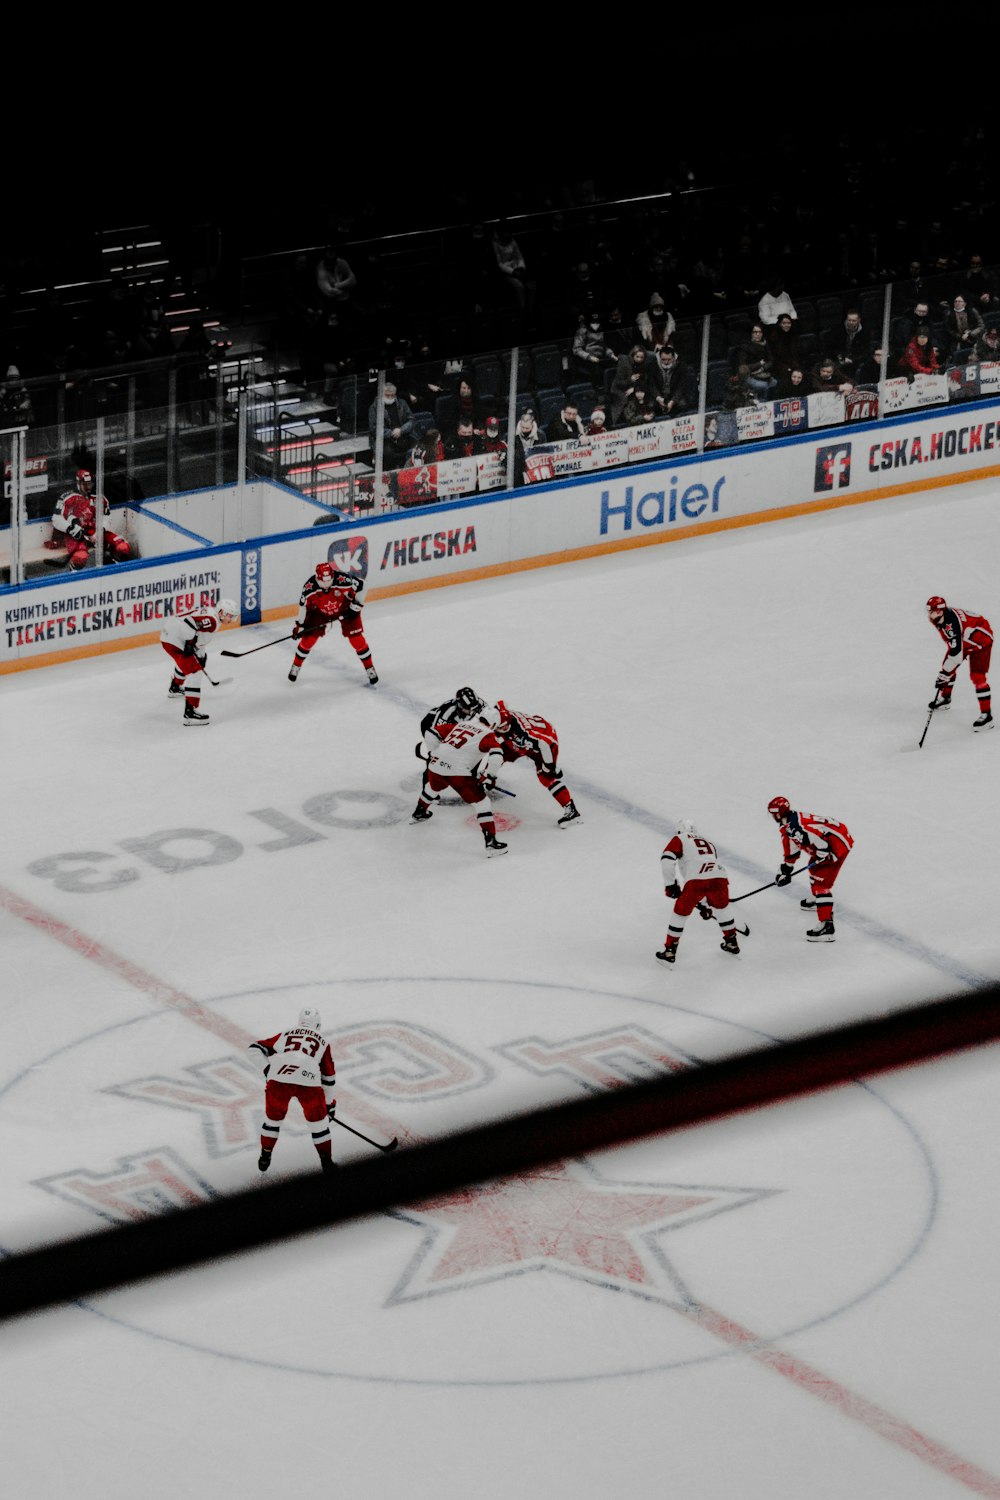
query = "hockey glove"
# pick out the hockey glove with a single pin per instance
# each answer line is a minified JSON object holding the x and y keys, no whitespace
{"x":944,"y":680}
{"x":420,"y":752}
{"x":784,"y":875}
{"x":673,"y":891}
{"x":77,"y":531}
{"x":297,"y":630}
{"x":201,"y":657}
{"x":331,"y":1110}
{"x":488,"y":783}
{"x":704,"y":911}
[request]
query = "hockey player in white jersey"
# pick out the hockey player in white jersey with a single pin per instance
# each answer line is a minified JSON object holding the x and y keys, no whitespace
{"x":297,"y":1064}
{"x":693,"y":873}
{"x":183,"y":639}
{"x":466,"y":760}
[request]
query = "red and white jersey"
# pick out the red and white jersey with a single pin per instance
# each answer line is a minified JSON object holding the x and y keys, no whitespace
{"x":76,"y":508}
{"x":690,"y":857}
{"x":320,"y":607}
{"x":962,"y":633}
{"x":808,"y":833}
{"x":185,"y":631}
{"x":528,"y":734}
{"x":300,"y":1055}
{"x":469,"y":748}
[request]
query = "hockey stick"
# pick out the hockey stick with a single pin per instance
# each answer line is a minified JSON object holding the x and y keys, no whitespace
{"x":336,"y":1120}
{"x":276,"y":642}
{"x":708,"y":915}
{"x":767,"y":887}
{"x":930,"y":715}
{"x":504,"y":791}
{"x":220,"y":682}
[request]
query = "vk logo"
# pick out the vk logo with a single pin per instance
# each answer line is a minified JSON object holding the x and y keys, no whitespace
{"x":833,"y":468}
{"x":349,"y":555}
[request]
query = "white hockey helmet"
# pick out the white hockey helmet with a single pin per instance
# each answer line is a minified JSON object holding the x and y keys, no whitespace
{"x":227,"y":611}
{"x":686,"y":827}
{"x":490,"y":715}
{"x":310,"y":1019}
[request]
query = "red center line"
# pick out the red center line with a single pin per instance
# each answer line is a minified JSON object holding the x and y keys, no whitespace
{"x":163,"y":994}
{"x":805,"y":1376}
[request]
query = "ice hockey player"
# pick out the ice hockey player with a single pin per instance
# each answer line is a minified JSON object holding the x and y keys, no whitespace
{"x":181,"y":638}
{"x":297,"y":1064}
{"x":826,"y":844}
{"x":74,"y":525}
{"x":466,"y":760}
{"x":968,"y":637}
{"x":693,"y":874}
{"x":466,"y":704}
{"x":529,"y":735}
{"x":329,"y":596}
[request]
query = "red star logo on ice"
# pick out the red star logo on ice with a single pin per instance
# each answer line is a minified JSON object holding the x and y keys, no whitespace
{"x":561,"y":1218}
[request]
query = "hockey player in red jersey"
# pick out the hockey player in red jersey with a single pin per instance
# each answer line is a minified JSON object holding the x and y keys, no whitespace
{"x":826,"y":844}
{"x":329,"y":596}
{"x":74,"y":524}
{"x":466,"y":704}
{"x":693,"y":874}
{"x":466,"y":760}
{"x":968,"y":637}
{"x":182,"y":640}
{"x":529,"y":735}
{"x":297,"y":1064}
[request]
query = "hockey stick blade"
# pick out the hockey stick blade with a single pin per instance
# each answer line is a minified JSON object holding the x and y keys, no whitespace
{"x":378,"y":1147}
{"x":276,"y":642}
{"x":503,"y":790}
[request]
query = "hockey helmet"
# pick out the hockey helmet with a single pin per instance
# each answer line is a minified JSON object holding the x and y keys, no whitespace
{"x":490,"y":715}
{"x":325,"y":573}
{"x":469,"y":701}
{"x":83,"y":476}
{"x":779,"y":808}
{"x":310,"y":1019}
{"x":686,"y":828}
{"x":227,"y":611}
{"x":936,"y":606}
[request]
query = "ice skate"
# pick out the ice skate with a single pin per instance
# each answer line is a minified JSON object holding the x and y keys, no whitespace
{"x":939,"y":703}
{"x":824,"y":933}
{"x":328,"y":1164}
{"x":808,"y":903}
{"x":192,"y":716}
{"x":372,"y":675}
{"x":729,"y":944}
{"x":495,"y":846}
{"x":667,"y":955}
{"x":985,"y":721}
{"x":421,"y":814}
{"x":293,"y":672}
{"x":176,"y":689}
{"x":571,"y":815}
{"x":264,"y":1160}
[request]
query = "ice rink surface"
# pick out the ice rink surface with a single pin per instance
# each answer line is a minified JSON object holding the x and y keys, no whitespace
{"x":800,"y":1303}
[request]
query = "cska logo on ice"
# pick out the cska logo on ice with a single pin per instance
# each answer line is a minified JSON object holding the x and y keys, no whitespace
{"x":349,"y":555}
{"x":833,"y":468}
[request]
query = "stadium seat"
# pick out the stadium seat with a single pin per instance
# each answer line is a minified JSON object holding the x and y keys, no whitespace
{"x":718,"y":379}
{"x":546,"y":366}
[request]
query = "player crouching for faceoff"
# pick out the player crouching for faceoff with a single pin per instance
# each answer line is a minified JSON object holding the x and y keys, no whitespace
{"x":694,"y":874}
{"x":968,"y":637}
{"x":328,"y":596}
{"x":466,"y":760}
{"x":534,"y":737}
{"x":181,"y":638}
{"x":297,"y":1064}
{"x":466,"y":704}
{"x":826,"y":844}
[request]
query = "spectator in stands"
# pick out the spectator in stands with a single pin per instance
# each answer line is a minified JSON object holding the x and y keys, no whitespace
{"x":737,"y":392}
{"x":988,"y":345}
{"x":828,"y":376}
{"x":335,"y":281}
{"x":527,"y":435}
{"x":655,"y":324}
{"x":597,"y":421}
{"x":919,"y":357}
{"x":428,"y":449}
{"x":760,"y":380}
{"x":980,"y":286}
{"x":619,"y":335}
{"x":466,"y":404}
{"x":846,"y":342}
{"x":418,"y":376}
{"x":631,"y":369}
{"x":904,"y":327}
{"x":791,"y":385}
{"x":774,"y":302}
{"x":466,"y":441}
{"x":752,"y":349}
{"x":16,"y":409}
{"x":872,"y":369}
{"x":674,"y":385}
{"x":512,"y":268}
{"x":492,"y":441}
{"x":783,"y":343}
{"x":566,"y":425}
{"x":398,"y":429}
{"x":592,"y":354}
{"x":639,"y":408}
{"x":962,"y":327}
{"x":914,"y":288}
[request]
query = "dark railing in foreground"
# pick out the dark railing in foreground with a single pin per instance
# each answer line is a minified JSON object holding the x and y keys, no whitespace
{"x":266,"y":1215}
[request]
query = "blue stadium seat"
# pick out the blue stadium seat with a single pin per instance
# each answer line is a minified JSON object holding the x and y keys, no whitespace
{"x":546,"y":366}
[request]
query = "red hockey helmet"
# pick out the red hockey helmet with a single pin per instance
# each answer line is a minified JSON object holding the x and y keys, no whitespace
{"x":325,"y":573}
{"x":83,"y":476}
{"x":936,"y":606}
{"x":779,"y":808}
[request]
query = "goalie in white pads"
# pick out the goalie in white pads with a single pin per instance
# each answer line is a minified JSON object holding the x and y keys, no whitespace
{"x":694,"y":874}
